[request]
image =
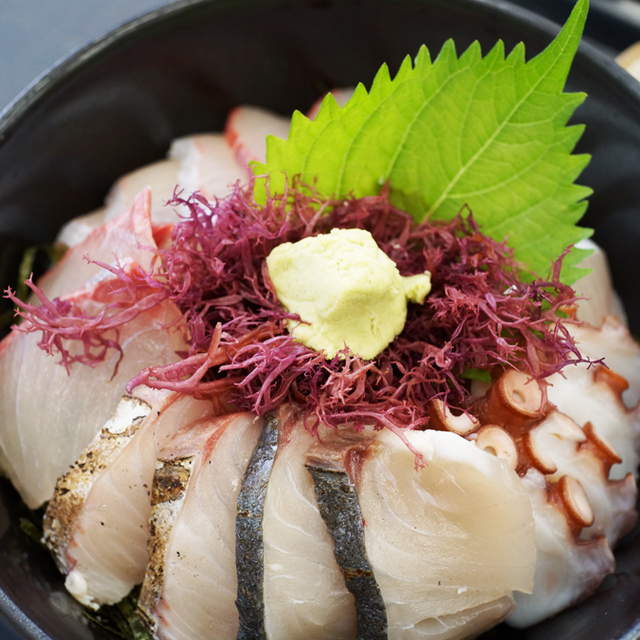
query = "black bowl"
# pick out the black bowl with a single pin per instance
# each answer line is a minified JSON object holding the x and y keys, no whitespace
{"x":118,"y":103}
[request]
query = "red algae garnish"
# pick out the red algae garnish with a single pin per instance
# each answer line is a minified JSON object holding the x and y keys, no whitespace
{"x":479,"y":316}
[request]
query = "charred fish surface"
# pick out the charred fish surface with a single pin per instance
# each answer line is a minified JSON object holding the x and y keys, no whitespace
{"x":74,"y":486}
{"x":169,"y":489}
{"x":339,"y":508}
{"x":249,"y":540}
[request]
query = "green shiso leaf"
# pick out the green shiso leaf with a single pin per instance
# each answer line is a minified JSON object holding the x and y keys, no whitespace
{"x":489,"y":133}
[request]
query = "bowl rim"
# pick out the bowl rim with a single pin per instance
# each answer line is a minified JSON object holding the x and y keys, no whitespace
{"x":65,"y":68}
{"x":68,"y":65}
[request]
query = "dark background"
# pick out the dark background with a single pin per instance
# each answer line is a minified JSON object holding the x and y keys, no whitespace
{"x":36,"y":34}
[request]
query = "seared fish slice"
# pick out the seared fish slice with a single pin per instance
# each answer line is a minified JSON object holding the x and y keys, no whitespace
{"x":97,"y":523}
{"x":189,"y":590}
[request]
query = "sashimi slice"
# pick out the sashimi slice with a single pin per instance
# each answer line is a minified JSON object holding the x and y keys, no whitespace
{"x":246,"y":132}
{"x":97,"y":524}
{"x":446,"y":543}
{"x":49,"y":415}
{"x":453,"y":537}
{"x":128,"y":238}
{"x":600,"y":298}
{"x":160,"y":177}
{"x":207,"y":165}
{"x":190,"y":587}
{"x":305,"y":596}
{"x":78,"y":229}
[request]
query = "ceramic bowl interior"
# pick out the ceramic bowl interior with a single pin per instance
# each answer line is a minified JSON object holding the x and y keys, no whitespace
{"x":117,"y":105}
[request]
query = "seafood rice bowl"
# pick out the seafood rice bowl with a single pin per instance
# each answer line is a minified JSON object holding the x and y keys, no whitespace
{"x":316,"y":341}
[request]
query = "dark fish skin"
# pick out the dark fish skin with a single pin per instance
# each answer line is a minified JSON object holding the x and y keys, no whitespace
{"x":249,"y":540}
{"x":339,"y":508}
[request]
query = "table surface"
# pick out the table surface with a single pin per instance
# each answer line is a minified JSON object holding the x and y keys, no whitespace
{"x":35,"y":34}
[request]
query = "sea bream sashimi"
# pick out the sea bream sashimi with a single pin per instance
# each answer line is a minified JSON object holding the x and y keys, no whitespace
{"x":448,"y":543}
{"x":190,"y":586}
{"x":40,"y":440}
{"x":201,"y":162}
{"x":97,"y":523}
{"x":207,"y":164}
{"x":129,"y":237}
{"x":246,"y":131}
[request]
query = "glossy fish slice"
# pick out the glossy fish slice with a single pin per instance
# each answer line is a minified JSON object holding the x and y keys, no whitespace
{"x":447,"y":543}
{"x":304,"y":591}
{"x":207,"y":164}
{"x":246,"y":132}
{"x":129,"y":237}
{"x":40,"y":440}
{"x":97,"y":522}
{"x":49,"y":416}
{"x":159,"y":177}
{"x":189,"y":590}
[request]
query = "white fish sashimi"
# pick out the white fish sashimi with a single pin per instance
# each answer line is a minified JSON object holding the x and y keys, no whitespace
{"x":49,"y":415}
{"x":127,"y":238}
{"x":600,"y":298}
{"x":159,"y":177}
{"x":449,"y":542}
{"x":208,"y":165}
{"x":97,"y":523}
{"x":246,"y":132}
{"x":190,"y":587}
{"x":78,"y":229}
{"x":304,"y":591}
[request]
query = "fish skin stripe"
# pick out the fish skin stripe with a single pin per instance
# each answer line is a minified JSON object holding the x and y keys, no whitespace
{"x":249,"y":539}
{"x":339,"y":508}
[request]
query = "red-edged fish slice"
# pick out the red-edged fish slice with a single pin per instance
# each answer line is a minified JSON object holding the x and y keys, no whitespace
{"x":247,"y":129}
